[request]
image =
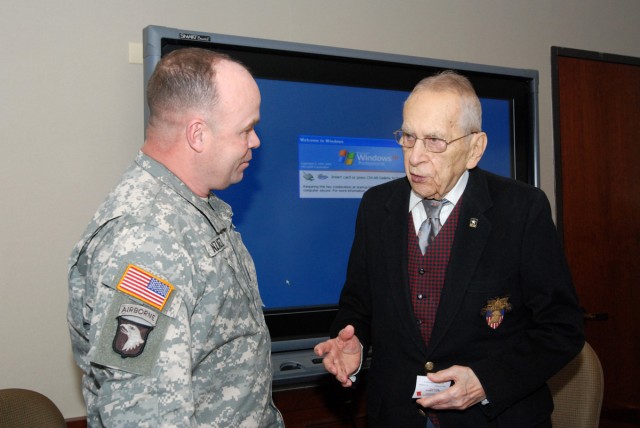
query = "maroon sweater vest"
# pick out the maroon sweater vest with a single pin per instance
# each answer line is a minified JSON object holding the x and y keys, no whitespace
{"x":427,"y":272}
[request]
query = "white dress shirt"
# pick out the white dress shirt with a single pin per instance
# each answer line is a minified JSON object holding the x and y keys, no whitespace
{"x":417,"y":209}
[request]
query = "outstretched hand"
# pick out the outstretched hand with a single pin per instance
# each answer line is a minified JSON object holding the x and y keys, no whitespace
{"x":342,"y":355}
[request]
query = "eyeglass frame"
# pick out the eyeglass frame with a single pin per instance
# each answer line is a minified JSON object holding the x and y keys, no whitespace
{"x":400,"y":135}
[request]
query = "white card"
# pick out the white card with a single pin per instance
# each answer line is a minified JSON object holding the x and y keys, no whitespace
{"x":426,"y":388}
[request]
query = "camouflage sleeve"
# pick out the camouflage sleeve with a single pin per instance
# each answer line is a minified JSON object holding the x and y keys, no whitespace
{"x":140,"y":333}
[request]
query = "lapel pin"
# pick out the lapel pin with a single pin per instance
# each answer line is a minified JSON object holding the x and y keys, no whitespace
{"x":495,"y":310}
{"x":473,"y":223}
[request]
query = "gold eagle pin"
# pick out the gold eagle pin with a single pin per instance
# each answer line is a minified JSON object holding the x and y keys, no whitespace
{"x":495,"y":310}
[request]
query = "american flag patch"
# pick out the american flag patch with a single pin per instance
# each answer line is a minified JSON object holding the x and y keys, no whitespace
{"x":144,"y":286}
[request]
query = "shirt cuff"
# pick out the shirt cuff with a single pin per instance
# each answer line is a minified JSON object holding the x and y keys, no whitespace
{"x":353,"y":378}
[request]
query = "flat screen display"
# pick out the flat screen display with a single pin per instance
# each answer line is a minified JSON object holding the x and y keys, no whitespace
{"x":326,"y":130}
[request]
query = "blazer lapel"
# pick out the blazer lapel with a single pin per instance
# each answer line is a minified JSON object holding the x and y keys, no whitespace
{"x":470,"y":238}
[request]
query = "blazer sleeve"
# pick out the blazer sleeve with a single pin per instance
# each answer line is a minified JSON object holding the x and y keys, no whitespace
{"x":355,"y":307}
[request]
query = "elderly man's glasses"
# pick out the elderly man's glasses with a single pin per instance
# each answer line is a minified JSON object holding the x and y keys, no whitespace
{"x":432,"y":144}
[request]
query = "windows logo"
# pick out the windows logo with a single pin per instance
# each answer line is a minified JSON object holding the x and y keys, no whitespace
{"x":346,"y":157}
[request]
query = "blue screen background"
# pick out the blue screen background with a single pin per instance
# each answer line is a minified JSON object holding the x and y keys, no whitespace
{"x":301,"y":246}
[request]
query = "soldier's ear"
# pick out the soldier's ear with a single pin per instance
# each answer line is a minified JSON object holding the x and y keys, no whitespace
{"x":195,"y":134}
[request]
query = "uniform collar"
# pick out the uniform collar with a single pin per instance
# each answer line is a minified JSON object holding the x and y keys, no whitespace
{"x":222,"y":218}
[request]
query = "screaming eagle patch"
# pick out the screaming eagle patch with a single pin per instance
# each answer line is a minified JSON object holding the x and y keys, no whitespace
{"x":135,"y":322}
{"x":495,"y":310}
{"x":130,"y":335}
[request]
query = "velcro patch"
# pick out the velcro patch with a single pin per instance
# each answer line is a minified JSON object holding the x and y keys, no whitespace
{"x":216,"y":246}
{"x":129,"y":337}
{"x":144,"y":286}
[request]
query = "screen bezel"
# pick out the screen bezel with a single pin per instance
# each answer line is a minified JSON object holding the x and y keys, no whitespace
{"x":299,"y":328}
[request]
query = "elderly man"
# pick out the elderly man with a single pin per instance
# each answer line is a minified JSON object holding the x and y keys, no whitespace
{"x":164,"y":312}
{"x":456,"y":274}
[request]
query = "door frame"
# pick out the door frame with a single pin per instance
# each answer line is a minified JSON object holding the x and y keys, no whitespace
{"x":628,"y":417}
{"x":556,"y":53}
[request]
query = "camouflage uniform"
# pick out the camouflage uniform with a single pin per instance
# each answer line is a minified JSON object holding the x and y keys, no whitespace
{"x":164,"y":312}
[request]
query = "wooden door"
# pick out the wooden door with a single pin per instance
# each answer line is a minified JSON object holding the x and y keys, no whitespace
{"x":597,"y":142}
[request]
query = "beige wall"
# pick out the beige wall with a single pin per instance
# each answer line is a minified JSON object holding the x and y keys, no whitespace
{"x":71,"y":114}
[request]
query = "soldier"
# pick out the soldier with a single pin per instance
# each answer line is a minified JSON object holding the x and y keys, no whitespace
{"x":164,"y":311}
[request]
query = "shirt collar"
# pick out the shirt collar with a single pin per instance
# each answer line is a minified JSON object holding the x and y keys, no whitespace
{"x":453,"y":196}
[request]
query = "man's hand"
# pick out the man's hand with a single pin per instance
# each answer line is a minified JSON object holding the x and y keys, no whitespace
{"x":465,"y":392}
{"x":342,"y":355}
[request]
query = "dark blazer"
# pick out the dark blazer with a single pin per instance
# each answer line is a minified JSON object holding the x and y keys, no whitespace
{"x":505,"y":245}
